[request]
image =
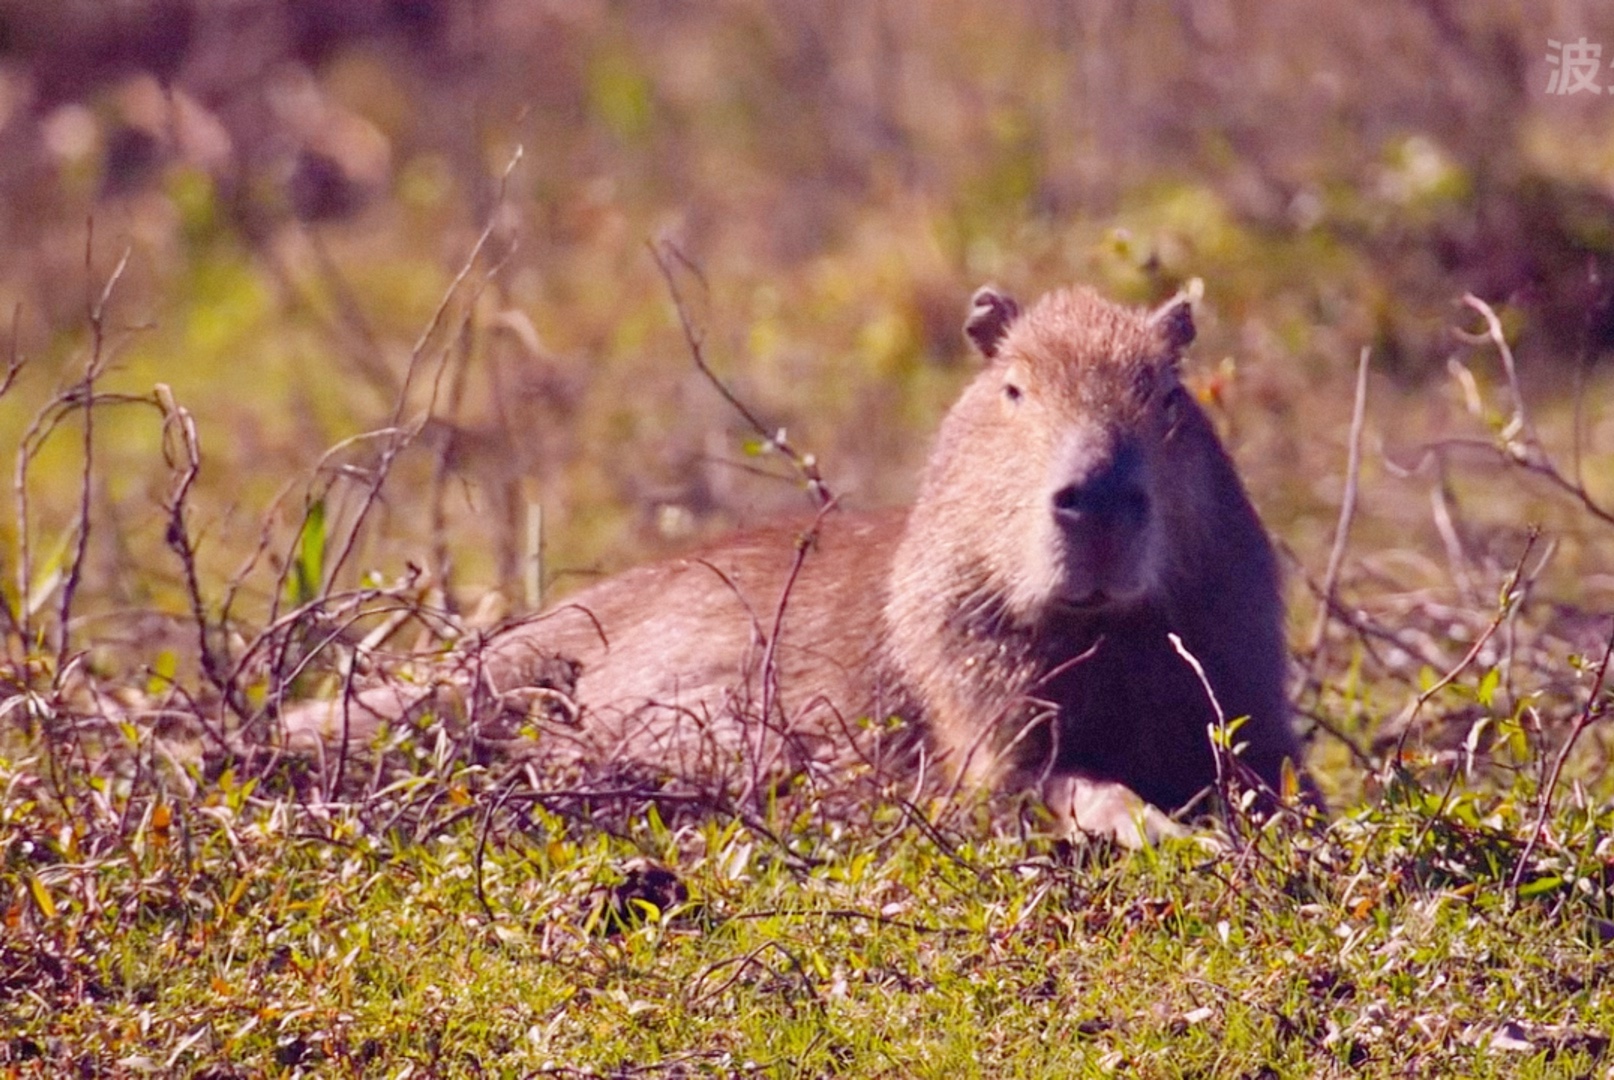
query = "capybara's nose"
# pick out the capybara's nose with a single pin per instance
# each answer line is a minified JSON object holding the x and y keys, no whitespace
{"x":1113,"y":494}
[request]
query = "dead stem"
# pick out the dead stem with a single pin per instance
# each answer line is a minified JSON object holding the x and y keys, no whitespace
{"x":1594,"y":710}
{"x":85,"y":393}
{"x":1347,"y":513}
{"x":666,"y":253}
{"x":180,"y":426}
{"x":1509,"y":597}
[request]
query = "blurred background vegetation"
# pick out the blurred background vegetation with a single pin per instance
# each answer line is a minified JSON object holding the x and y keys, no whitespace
{"x":297,"y":185}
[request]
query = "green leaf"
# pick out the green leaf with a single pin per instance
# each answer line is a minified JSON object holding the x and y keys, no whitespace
{"x":163,"y":669}
{"x":42,"y":900}
{"x":1487,"y":687}
{"x":308,"y":568}
{"x":1540,"y":885}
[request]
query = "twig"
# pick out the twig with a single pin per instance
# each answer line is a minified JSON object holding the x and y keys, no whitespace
{"x":25,"y":547}
{"x":1510,"y":595}
{"x":397,"y":436}
{"x":1048,"y":714}
{"x":404,"y":436}
{"x":16,"y":361}
{"x":1529,"y":453}
{"x":665,"y":253}
{"x":368,"y":358}
{"x":1219,"y":735}
{"x":770,"y":653}
{"x":1368,"y":631}
{"x":14,"y":366}
{"x":482,"y":843}
{"x":178,"y":419}
{"x":1520,"y":422}
{"x":310,"y":502}
{"x":41,"y":428}
{"x":96,"y":312}
{"x":1347,"y":511}
{"x":437,"y":496}
{"x":265,"y":537}
{"x":333,"y":780}
{"x":740,"y":964}
{"x":1590,"y":713}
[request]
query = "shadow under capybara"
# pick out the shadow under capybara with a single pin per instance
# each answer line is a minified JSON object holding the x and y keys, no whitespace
{"x":1076,"y":514}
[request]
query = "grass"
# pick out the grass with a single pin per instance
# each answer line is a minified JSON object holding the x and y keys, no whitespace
{"x":266,"y":451}
{"x":236,"y":933}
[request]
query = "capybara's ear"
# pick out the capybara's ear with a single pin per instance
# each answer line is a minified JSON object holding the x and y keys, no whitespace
{"x":991,"y":312}
{"x":1175,"y":321}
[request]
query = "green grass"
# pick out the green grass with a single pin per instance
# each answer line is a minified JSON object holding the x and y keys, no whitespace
{"x":235,"y":932}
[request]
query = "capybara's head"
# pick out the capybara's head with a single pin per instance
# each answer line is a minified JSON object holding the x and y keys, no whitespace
{"x":1054,"y":474}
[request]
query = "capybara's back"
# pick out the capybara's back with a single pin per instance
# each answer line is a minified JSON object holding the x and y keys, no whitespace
{"x":1077,"y":513}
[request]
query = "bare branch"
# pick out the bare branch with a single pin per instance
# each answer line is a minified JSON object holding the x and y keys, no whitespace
{"x":666,"y":253}
{"x":16,"y":361}
{"x":770,"y":657}
{"x":1519,"y":443}
{"x":1594,"y":710}
{"x":179,"y":426}
{"x":1509,"y":598}
{"x":405,"y":435}
{"x":1347,"y":509}
{"x":86,"y":391}
{"x":14,"y":366}
{"x":1520,"y":421}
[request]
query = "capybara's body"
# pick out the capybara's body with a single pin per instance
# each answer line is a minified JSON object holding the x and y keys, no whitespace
{"x":677,"y":674}
{"x":1076,"y":512}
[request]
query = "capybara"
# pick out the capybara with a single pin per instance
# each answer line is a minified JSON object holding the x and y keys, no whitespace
{"x":1076,"y":511}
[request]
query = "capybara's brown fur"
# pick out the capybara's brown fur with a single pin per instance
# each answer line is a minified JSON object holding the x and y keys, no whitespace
{"x":1075,"y":511}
